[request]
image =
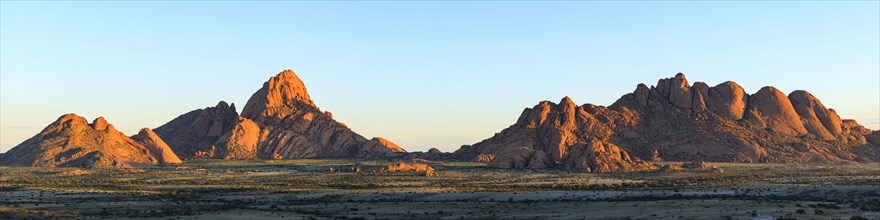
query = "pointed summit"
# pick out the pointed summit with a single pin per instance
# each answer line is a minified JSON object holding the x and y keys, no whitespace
{"x":291,"y":126}
{"x":283,"y":94}
{"x":567,"y":103}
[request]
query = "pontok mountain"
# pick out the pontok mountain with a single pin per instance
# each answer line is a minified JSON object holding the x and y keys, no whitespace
{"x":561,"y":135}
{"x":680,"y":122}
{"x":71,"y":141}
{"x":279,"y":121}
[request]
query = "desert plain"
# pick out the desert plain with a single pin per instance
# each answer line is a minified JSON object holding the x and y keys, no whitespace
{"x":352,"y":188}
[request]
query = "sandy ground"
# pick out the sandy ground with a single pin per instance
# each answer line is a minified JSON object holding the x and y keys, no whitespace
{"x":341,"y":204}
{"x":278,"y":190}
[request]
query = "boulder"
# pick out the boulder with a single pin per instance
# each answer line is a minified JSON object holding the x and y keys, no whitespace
{"x":774,"y":111}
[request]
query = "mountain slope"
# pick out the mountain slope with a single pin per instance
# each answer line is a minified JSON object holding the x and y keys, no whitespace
{"x":70,"y":141}
{"x":296,"y":128}
{"x":675,"y":120}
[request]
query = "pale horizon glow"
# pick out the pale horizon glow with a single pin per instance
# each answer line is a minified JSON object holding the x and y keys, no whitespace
{"x":421,"y":74}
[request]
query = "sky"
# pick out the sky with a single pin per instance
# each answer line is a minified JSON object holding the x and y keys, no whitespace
{"x":422,"y":74}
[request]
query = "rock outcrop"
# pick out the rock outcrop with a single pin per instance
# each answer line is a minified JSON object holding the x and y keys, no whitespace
{"x":431,"y":154}
{"x":670,"y":168}
{"x":292,"y":126}
{"x":195,"y":134}
{"x":279,"y":121}
{"x":727,"y":100}
{"x":157,"y":147}
{"x":388,"y":144}
{"x":560,"y":135}
{"x":483,"y":158}
{"x":599,"y":156}
{"x":522,"y":157}
{"x":240,"y":142}
{"x":423,"y":169}
{"x":770,"y":108}
{"x":71,"y":141}
{"x":676,"y":121}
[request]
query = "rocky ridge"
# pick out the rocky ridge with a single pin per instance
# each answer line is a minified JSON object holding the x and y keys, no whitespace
{"x":279,"y":121}
{"x":677,"y":121}
{"x":71,"y":141}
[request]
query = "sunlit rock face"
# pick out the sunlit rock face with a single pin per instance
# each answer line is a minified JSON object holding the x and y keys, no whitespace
{"x":71,"y":141}
{"x":195,"y":135}
{"x":292,"y":126}
{"x":279,"y":121}
{"x":677,"y":121}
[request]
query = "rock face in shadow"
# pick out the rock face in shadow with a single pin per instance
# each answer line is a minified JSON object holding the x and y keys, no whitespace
{"x":294,"y":127}
{"x":192,"y":135}
{"x":727,"y":100}
{"x":71,"y":141}
{"x":675,"y":121}
{"x":818,"y":120}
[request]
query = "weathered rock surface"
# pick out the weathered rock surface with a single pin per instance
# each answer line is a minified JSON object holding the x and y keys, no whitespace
{"x":670,"y":168}
{"x":71,"y":141}
{"x":292,"y":126}
{"x":390,"y":145}
{"x":240,"y":142}
{"x":431,"y":154}
{"x":156,"y":146}
{"x":194,"y":134}
{"x":563,"y":136}
{"x":522,"y":157}
{"x":424,"y":169}
{"x":674,"y":121}
{"x":284,"y":94}
{"x":770,"y":108}
{"x":818,"y":120}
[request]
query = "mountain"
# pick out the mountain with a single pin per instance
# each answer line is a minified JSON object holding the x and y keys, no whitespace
{"x":559,"y":135}
{"x":294,"y":127}
{"x":675,"y":120}
{"x":71,"y":141}
{"x":213,"y":132}
{"x":279,"y":121}
{"x":388,"y":144}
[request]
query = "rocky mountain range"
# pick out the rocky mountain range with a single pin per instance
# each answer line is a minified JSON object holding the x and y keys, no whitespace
{"x":672,"y":120}
{"x":677,"y":121}
{"x":280,"y":121}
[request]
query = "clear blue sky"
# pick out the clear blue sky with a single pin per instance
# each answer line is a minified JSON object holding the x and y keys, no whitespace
{"x":422,"y":74}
